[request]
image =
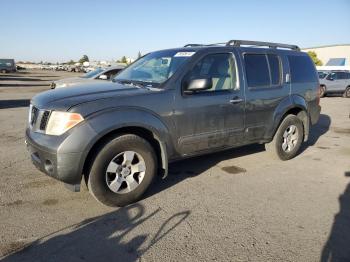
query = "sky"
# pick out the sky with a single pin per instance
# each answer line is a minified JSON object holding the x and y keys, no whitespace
{"x":58,"y":31}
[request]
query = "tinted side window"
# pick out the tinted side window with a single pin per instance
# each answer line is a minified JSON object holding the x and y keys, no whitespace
{"x":302,"y":69}
{"x":341,"y":75}
{"x":275,"y":69}
{"x":257,"y":70}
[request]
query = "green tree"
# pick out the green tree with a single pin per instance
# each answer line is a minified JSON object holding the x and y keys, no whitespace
{"x":85,"y":58}
{"x":314,"y":58}
{"x":123,"y":60}
{"x":71,"y":62}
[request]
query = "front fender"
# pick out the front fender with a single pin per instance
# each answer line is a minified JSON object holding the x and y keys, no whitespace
{"x":113,"y":119}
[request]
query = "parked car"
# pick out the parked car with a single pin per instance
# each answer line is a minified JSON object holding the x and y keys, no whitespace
{"x":7,"y":65}
{"x":336,"y":82}
{"x":96,"y":75}
{"x":169,"y":105}
{"x":322,"y":74}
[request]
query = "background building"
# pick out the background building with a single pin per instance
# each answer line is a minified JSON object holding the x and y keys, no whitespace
{"x":340,"y":54}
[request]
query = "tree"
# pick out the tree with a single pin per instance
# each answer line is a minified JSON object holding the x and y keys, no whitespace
{"x":314,"y":58}
{"x":139,"y":55}
{"x":71,"y":62}
{"x":123,"y":60}
{"x":85,"y":58}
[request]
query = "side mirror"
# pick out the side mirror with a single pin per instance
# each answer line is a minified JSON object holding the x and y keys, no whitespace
{"x":103,"y":77}
{"x":200,"y":84}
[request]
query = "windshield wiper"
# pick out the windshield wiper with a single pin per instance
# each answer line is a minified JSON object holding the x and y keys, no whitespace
{"x":136,"y":83}
{"x":128,"y":82}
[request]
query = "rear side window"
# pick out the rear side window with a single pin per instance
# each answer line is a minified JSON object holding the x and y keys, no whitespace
{"x":257,"y":70}
{"x":263,"y":70}
{"x":302,"y":69}
{"x":275,"y":71}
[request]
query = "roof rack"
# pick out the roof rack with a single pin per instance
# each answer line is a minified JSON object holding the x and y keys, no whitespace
{"x":258,"y":43}
{"x":250,"y":43}
{"x":195,"y":45}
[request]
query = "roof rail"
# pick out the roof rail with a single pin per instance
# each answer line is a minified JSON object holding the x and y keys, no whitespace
{"x":194,"y":45}
{"x":258,"y":43}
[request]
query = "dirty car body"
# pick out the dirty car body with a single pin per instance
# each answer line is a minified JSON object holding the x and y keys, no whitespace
{"x":176,"y":107}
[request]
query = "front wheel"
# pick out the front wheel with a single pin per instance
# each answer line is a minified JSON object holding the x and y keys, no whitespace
{"x":288,"y":138}
{"x":122,"y":171}
{"x":347,"y":92}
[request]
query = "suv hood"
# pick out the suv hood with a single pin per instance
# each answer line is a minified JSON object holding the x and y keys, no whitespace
{"x":65,"y":98}
{"x":71,"y":81}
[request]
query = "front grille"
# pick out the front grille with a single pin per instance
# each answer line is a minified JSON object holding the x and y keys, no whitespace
{"x":38,"y":119}
{"x":34,"y":115}
{"x":44,"y":119}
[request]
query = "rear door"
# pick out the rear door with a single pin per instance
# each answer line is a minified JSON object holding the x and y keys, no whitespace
{"x":210,"y":119}
{"x":265,"y":89}
{"x":336,"y":82}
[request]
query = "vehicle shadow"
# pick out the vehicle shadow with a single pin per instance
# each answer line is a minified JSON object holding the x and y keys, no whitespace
{"x":191,"y":167}
{"x":317,"y":131}
{"x":4,"y":104}
{"x":103,"y":238}
{"x":187,"y":168}
{"x":337,"y":247}
{"x":20,"y":85}
{"x":18,"y":78}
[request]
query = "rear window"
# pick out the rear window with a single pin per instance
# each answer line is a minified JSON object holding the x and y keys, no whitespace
{"x":302,"y":69}
{"x":262,"y":70}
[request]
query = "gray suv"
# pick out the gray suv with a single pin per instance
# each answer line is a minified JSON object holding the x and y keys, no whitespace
{"x":335,"y":82}
{"x":169,"y":105}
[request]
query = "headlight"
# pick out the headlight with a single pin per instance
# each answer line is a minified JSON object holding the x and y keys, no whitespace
{"x":60,"y":122}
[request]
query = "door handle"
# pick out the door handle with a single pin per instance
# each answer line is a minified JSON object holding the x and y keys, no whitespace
{"x":236,"y":100}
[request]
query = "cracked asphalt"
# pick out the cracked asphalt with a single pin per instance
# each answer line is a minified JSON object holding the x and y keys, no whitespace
{"x":237,"y":205}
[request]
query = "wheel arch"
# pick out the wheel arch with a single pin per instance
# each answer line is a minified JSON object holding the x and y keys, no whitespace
{"x":295,"y":105}
{"x":158,"y":145}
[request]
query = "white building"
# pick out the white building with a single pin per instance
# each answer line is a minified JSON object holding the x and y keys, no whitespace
{"x":340,"y":54}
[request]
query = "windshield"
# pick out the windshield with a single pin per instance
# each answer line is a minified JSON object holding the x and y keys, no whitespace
{"x":92,"y":74}
{"x":154,"y":68}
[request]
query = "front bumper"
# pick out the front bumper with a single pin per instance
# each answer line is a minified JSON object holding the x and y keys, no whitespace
{"x":61,"y":157}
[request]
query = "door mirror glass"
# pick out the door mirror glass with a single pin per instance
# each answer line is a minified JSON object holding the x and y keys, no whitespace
{"x":199,"y":84}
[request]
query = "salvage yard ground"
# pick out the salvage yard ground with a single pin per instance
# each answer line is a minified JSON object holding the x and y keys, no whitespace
{"x":238,"y":205}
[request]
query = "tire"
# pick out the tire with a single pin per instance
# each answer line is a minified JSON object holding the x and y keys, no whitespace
{"x":322,"y":91}
{"x":277,"y":147}
{"x":347,"y":92}
{"x":117,"y":150}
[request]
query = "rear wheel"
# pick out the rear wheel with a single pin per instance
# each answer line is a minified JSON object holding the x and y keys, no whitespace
{"x":287,"y":140}
{"x":122,"y":171}
{"x":347,"y":92}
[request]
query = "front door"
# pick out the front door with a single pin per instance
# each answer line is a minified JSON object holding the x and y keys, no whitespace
{"x":212,"y":118}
